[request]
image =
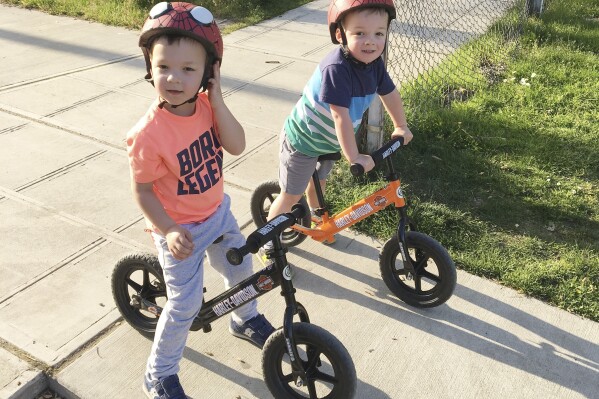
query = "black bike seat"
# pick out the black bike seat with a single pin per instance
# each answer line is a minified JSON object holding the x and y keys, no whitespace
{"x":335,"y":156}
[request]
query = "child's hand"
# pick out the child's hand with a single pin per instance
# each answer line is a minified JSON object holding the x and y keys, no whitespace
{"x":179,"y":241}
{"x":403,"y":132}
{"x":215,"y":95}
{"x":364,"y":160}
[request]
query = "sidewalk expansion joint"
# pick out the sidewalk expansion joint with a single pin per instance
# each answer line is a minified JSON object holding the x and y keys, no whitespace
{"x":25,"y":356}
{"x":232,"y":165}
{"x":66,"y":73}
{"x":77,"y":255}
{"x":12,"y":129}
{"x":53,"y":370}
{"x":78,"y":103}
{"x":103,"y":232}
{"x":43,"y":120}
{"x":60,"y":171}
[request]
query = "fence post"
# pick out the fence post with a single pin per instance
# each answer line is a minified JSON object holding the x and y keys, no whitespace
{"x":534,"y":7}
{"x":376,"y":117}
{"x":374,"y":127}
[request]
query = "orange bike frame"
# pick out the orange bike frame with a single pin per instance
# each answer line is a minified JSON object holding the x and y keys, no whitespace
{"x":390,"y":194}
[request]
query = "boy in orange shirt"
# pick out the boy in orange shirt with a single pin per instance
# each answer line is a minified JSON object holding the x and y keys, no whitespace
{"x":175,"y":157}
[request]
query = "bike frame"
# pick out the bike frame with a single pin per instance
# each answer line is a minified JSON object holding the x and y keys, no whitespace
{"x":377,"y":201}
{"x":277,"y":274}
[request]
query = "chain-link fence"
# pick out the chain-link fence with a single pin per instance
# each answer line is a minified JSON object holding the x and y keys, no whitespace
{"x":441,"y":51}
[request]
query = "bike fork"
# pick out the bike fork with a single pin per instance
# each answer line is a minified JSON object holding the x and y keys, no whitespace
{"x":293,"y":307}
{"x":297,"y":368}
{"x":403,"y":246}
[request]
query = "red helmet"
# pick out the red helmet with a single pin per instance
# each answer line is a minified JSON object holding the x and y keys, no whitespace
{"x":338,"y":9}
{"x":183,"y":19}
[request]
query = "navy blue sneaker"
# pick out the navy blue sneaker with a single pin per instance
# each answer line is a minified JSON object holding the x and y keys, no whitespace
{"x":256,"y":330}
{"x":165,"y":388}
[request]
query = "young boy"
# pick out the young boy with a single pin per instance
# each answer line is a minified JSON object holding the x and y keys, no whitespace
{"x":175,"y":157}
{"x":327,"y":116}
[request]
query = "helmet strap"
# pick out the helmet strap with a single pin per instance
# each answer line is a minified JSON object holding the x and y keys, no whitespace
{"x":343,"y":37}
{"x":148,"y":78}
{"x":347,"y":55}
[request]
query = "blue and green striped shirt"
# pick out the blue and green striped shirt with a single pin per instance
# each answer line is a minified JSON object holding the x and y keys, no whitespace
{"x":310,"y":128}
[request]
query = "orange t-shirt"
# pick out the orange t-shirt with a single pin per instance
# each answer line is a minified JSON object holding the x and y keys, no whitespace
{"x":182,"y":157}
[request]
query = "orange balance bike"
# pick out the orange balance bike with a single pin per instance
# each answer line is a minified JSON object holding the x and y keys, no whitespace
{"x":414,"y":266}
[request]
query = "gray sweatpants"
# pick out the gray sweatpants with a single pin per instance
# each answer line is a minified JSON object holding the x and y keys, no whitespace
{"x":184,"y":285}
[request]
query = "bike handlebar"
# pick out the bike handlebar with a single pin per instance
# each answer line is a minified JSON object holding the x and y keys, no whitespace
{"x":378,"y":155}
{"x":265,"y":234}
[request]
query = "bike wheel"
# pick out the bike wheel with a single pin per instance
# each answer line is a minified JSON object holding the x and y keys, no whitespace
{"x":330,"y":370}
{"x":138,"y":274}
{"x":260,"y":202}
{"x":435,"y":277}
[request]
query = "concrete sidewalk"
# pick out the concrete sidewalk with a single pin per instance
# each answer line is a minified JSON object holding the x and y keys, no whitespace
{"x":69,"y":91}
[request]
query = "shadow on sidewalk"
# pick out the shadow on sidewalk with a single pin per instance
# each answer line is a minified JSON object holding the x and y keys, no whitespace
{"x":543,"y":359}
{"x":257,"y":386}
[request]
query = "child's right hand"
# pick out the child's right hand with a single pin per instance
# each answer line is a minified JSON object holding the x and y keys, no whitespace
{"x":365,"y":160}
{"x":179,"y":241}
{"x":215,"y":95}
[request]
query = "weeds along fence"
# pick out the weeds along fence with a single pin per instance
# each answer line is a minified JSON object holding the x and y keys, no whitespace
{"x":441,"y":51}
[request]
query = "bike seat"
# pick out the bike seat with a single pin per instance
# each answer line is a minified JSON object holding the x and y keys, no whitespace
{"x":335,"y":156}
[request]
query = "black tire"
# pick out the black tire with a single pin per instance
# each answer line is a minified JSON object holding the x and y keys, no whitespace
{"x":435,"y":277}
{"x":139,"y":274}
{"x":262,"y":197}
{"x":330,"y":370}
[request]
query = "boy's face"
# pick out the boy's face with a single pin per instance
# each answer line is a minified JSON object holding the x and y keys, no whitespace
{"x":366,"y":31}
{"x":177,"y":70}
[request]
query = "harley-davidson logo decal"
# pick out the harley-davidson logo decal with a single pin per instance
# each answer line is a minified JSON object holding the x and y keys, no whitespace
{"x":265,"y":283}
{"x":380,"y":201}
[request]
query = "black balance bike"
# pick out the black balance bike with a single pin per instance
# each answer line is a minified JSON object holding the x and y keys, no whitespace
{"x":299,"y":360}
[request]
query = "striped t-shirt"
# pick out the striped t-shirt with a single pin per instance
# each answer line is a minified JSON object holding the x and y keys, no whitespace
{"x":310,"y":128}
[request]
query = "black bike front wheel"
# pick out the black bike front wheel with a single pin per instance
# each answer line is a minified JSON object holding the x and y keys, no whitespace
{"x":435,"y":274}
{"x":260,"y":202}
{"x":329,"y":369}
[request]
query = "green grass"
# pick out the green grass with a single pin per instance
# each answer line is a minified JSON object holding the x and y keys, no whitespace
{"x":508,"y":178}
{"x":132,"y":13}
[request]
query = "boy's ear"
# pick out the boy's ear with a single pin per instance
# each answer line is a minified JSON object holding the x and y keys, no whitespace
{"x":338,"y":35}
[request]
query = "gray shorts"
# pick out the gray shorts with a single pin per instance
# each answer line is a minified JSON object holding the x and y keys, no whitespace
{"x":296,"y":169}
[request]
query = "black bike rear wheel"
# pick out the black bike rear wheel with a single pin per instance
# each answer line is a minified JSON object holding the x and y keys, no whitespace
{"x":260,"y":202}
{"x":141,"y":275}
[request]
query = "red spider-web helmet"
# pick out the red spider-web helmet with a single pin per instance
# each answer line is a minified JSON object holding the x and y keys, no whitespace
{"x":338,"y":9}
{"x":184,"y":19}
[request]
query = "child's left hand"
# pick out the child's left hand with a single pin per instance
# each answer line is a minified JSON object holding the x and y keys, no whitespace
{"x":403,"y":132}
{"x":215,"y":95}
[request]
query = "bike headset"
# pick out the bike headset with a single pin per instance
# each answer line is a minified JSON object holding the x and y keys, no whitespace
{"x":183,"y":19}
{"x":338,"y":9}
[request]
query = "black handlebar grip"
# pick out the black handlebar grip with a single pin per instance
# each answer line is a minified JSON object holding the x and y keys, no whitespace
{"x":298,"y":211}
{"x":386,"y":150}
{"x":234,"y":256}
{"x":356,"y":169}
{"x":264,"y":234}
{"x":378,"y":155}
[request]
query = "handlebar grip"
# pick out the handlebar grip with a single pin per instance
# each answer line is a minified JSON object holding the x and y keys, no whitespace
{"x":265,"y":234}
{"x":356,"y":169}
{"x":298,"y":211}
{"x":235,"y":256}
{"x":378,"y":155}
{"x":386,"y":150}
